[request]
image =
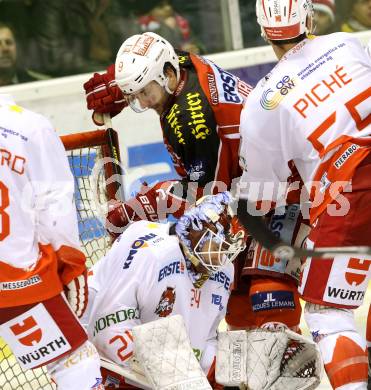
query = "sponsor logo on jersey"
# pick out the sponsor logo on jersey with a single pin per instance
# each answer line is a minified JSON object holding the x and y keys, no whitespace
{"x":344,"y":157}
{"x":111,"y":382}
{"x":98,"y":384}
{"x":222,"y":278}
{"x":213,"y":89}
{"x":137,"y":244}
{"x":166,"y":304}
{"x":19,"y":284}
{"x":44,"y":351}
{"x":228,"y":86}
{"x":35,"y":337}
{"x":273,"y":300}
{"x":350,"y":295}
{"x":173,"y":120}
{"x":217,"y":300}
{"x":83,"y":353}
{"x":197,"y":123}
{"x":115,"y":318}
{"x":324,"y":183}
{"x":272,"y":98}
{"x":274,"y":326}
{"x":357,"y":271}
{"x":31,"y":328}
{"x":317,"y":336}
{"x":196,"y":171}
{"x":176,"y":267}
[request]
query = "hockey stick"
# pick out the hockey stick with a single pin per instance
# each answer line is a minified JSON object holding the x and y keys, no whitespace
{"x":131,"y":377}
{"x":115,"y":152}
{"x":281,"y":250}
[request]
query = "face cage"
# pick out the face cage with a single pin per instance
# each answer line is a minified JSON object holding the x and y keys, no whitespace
{"x":226,"y":251}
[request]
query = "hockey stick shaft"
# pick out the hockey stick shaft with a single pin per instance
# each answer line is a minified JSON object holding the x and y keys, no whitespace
{"x":258,"y":229}
{"x":113,"y":145}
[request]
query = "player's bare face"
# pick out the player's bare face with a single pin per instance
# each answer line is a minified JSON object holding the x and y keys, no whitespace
{"x":152,"y":96}
{"x":8,"y":50}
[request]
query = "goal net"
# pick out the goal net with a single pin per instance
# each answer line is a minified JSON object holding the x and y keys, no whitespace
{"x":94,"y":159}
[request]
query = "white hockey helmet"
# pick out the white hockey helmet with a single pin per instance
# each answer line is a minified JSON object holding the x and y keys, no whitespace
{"x":210,"y":234}
{"x":141,"y":59}
{"x":284,"y":19}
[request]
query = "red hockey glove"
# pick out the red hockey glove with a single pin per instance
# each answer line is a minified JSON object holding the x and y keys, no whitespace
{"x":103,"y":95}
{"x":77,"y":294}
{"x":151,"y":203}
{"x":73,"y":274}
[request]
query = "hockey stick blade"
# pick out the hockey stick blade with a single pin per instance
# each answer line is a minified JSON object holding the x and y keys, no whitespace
{"x":281,"y":250}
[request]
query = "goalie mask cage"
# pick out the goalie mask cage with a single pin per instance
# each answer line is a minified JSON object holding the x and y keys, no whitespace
{"x":93,"y":190}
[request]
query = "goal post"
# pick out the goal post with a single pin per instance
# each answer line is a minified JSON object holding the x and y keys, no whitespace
{"x":94,"y":159}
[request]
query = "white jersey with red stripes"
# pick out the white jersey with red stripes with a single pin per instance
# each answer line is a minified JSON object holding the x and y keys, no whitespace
{"x":36,"y":187}
{"x":145,"y":277}
{"x":314,"y":108}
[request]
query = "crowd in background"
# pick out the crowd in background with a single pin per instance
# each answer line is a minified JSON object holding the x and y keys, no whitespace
{"x":42,"y":39}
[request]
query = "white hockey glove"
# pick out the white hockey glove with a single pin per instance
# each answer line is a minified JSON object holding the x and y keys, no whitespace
{"x":266,"y":360}
{"x":162,"y":348}
{"x":77,"y":294}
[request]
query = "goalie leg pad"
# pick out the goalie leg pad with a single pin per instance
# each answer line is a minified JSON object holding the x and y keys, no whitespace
{"x":163,"y":349}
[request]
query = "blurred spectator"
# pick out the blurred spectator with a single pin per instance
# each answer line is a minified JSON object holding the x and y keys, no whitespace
{"x":324,"y":16}
{"x":72,"y":36}
{"x":162,"y":19}
{"x":360,"y":16}
{"x":11,"y":71}
{"x":250,"y":29}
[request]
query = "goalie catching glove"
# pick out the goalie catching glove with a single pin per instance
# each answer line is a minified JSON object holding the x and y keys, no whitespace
{"x":267,"y":360}
{"x":104,"y":96}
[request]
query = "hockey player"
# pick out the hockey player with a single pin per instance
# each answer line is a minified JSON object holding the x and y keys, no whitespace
{"x":155,"y":270}
{"x":199,"y":105}
{"x":40,"y":261}
{"x":315,"y":108}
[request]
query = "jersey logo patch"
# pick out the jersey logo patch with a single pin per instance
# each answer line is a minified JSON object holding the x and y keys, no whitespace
{"x":273,"y":300}
{"x":166,"y":304}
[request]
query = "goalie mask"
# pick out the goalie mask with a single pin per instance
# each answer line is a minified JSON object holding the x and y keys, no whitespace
{"x":210,"y":234}
{"x":140,"y":60}
{"x":284,"y":19}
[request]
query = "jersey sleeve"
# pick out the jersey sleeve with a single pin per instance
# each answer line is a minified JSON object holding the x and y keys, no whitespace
{"x":122,"y":294}
{"x":226,"y":94}
{"x":53,"y":190}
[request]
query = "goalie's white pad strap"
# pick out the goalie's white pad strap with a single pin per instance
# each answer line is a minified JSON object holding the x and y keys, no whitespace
{"x":271,"y":360}
{"x":231,"y":358}
{"x":163,"y":349}
{"x":131,"y":377}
